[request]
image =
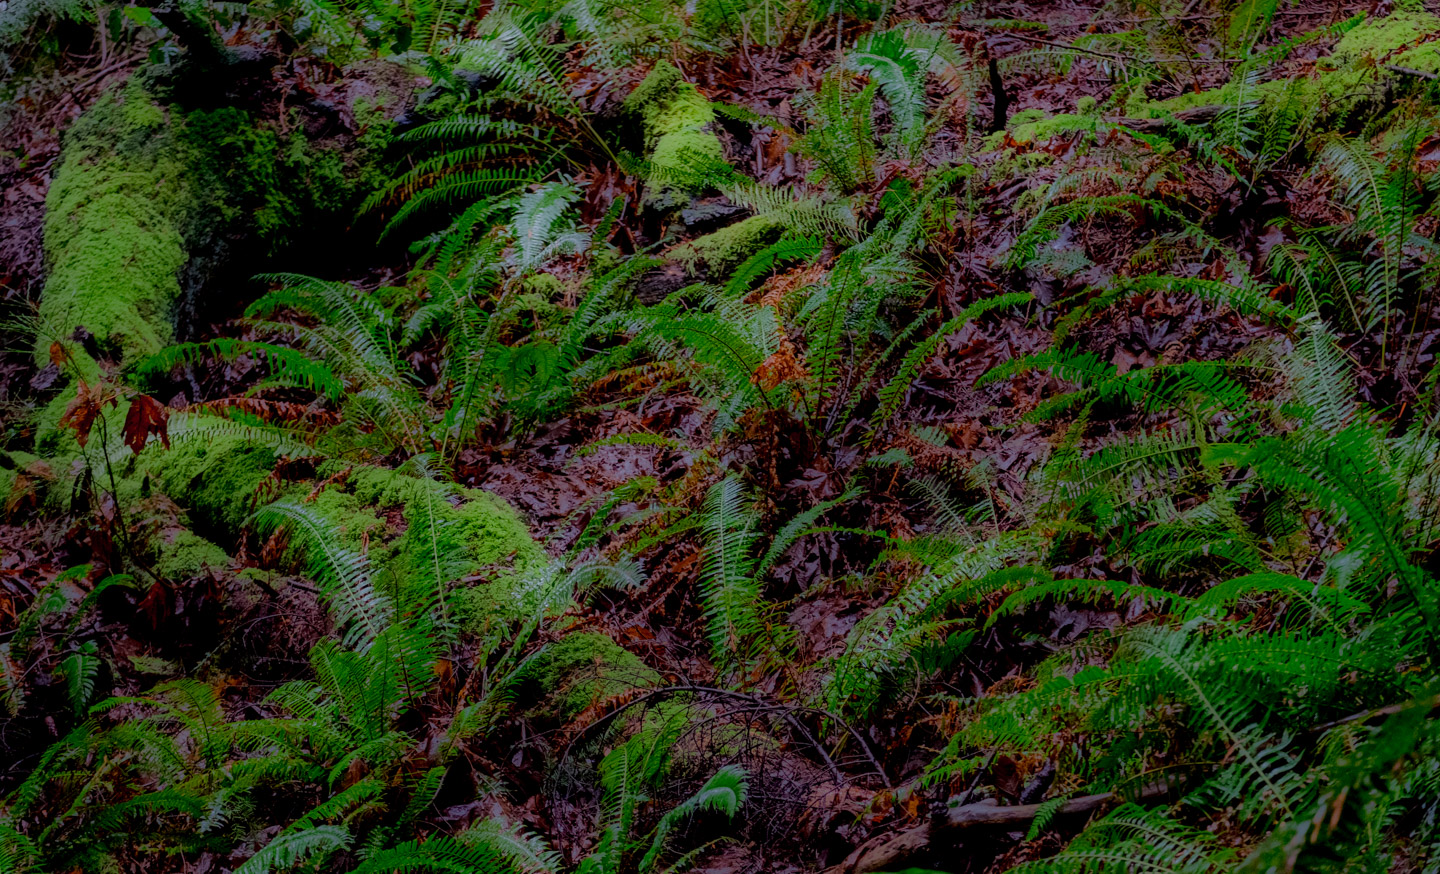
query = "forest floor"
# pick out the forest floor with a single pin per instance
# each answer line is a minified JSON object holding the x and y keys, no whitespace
{"x":957,"y":481}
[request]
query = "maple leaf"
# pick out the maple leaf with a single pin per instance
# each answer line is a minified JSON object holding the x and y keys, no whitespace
{"x":146,"y":416}
{"x":82,"y":412}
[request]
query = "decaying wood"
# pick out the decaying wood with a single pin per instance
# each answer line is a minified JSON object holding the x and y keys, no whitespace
{"x":1193,"y":115}
{"x":945,"y":832}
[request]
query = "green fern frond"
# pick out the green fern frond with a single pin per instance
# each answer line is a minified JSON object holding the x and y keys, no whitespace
{"x":345,"y":574}
{"x":731,"y":592}
{"x":282,"y":361}
{"x":893,"y":393}
{"x":288,"y":850}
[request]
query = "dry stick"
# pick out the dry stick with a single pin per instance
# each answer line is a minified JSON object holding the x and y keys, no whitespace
{"x":1114,"y":56}
{"x":1367,"y":715}
{"x":1409,"y":71}
{"x":760,"y":703}
{"x":878,"y":856}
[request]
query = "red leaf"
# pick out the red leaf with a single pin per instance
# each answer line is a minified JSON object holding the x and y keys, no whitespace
{"x":146,"y":416}
{"x":82,"y":412}
{"x":157,"y":604}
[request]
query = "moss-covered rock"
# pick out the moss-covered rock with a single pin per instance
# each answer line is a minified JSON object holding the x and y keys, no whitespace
{"x":677,"y":121}
{"x":584,"y":669}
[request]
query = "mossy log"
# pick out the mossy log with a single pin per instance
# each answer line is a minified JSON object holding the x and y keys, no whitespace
{"x":680,"y":141}
{"x":1368,"y":65}
{"x":144,"y":192}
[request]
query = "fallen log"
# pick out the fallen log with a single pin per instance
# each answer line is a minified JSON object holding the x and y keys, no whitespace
{"x":944,"y":832}
{"x":1193,"y":115}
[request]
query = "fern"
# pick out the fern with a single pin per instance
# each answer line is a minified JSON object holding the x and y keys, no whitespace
{"x":723,"y":793}
{"x":897,"y":72}
{"x":283,"y":362}
{"x":881,"y":643}
{"x":1134,"y":839}
{"x":768,"y":259}
{"x":361,"y":610}
{"x":437,"y":854}
{"x":288,"y":850}
{"x":893,"y":393}
{"x":526,"y":852}
{"x":1081,"y":592}
{"x":731,"y":592}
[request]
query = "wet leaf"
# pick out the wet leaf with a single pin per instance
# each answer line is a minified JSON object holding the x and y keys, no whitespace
{"x":146,"y":416}
{"x":81,"y":413}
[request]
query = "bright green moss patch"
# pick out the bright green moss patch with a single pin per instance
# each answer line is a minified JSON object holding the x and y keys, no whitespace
{"x":183,"y":554}
{"x":214,"y":477}
{"x":141,"y":183}
{"x":18,"y":472}
{"x":1342,"y":82}
{"x":1393,"y":39}
{"x":493,"y":532}
{"x":113,"y":235}
{"x":1023,"y":130}
{"x":678,"y":139}
{"x":584,"y":669}
{"x":357,"y":521}
{"x":449,"y":533}
{"x":727,"y":248}
{"x":467,"y":523}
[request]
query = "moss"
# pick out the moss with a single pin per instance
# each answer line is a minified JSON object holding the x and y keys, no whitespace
{"x":1343,"y":82}
{"x":725,"y":249}
{"x":676,"y":119}
{"x":1340,"y":86}
{"x":184,"y":554}
{"x":213,"y":477}
{"x":1035,"y":125}
{"x":113,"y":235}
{"x":1378,"y":41}
{"x":19,"y":473}
{"x":358,"y":522}
{"x":474,"y":529}
{"x":141,"y":184}
{"x":1046,"y":128}
{"x":583,"y":669}
{"x":140,"y":187}
{"x":494,"y":533}
{"x":543,"y":285}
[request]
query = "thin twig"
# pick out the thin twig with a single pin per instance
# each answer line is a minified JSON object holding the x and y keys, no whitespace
{"x":1115,"y":56}
{"x":758,"y":702}
{"x":1410,"y":71}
